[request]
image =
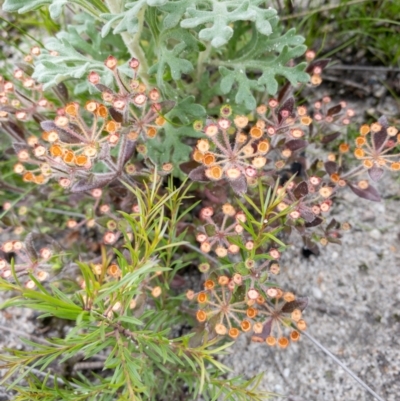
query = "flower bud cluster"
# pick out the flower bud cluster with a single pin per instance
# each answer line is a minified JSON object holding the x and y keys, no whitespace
{"x":27,"y":262}
{"x":267,"y":316}
{"x":217,"y":236}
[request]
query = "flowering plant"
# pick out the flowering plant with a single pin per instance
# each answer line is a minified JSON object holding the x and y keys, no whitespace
{"x":165,"y":180}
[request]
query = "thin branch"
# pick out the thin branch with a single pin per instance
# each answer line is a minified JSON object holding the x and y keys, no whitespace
{"x":321,"y":9}
{"x":11,"y":188}
{"x":64,"y":212}
{"x":343,"y":366}
{"x":206,"y":255}
{"x":347,"y":82}
{"x":21,"y":334}
{"x":369,"y":68}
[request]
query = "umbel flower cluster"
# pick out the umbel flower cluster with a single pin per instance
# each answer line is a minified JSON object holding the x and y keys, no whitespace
{"x":274,"y":318}
{"x":239,"y":150}
{"x":79,"y":138}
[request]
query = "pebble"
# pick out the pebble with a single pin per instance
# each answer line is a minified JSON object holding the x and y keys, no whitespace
{"x":317,"y":293}
{"x":375,"y":234}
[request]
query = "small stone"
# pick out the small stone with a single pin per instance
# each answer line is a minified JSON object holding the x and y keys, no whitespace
{"x":375,"y":234}
{"x":286,"y":372}
{"x":368,"y":216}
{"x":380,"y":91}
{"x":317,"y":293}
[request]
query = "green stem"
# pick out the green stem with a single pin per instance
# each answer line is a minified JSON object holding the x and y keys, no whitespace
{"x":203,"y":57}
{"x":94,"y":12}
{"x":132,"y":43}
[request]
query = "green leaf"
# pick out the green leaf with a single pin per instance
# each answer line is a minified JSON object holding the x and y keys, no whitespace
{"x":174,"y":45}
{"x":245,"y":86}
{"x":172,"y":148}
{"x":127,"y":21}
{"x":268,"y":56}
{"x":175,"y":11}
{"x":23,"y":6}
{"x":223,"y":14}
{"x":76,"y":56}
{"x":186,"y":111}
{"x":56,"y":8}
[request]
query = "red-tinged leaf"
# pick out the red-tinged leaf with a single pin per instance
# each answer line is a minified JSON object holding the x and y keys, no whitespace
{"x":288,"y":106}
{"x":92,"y":182}
{"x":317,"y":63}
{"x":25,"y":100}
{"x":329,"y":138}
{"x":38,"y":118}
{"x":104,"y":151}
{"x":103,"y":88}
{"x":299,"y":303}
{"x":307,"y":214}
{"x":332,"y":224}
{"x":316,"y":222}
{"x":128,"y":151}
{"x":62,"y":92}
{"x":19,"y":146}
{"x":375,"y":173}
{"x":296,"y":144}
{"x":301,"y":190}
{"x":266,"y":331}
{"x":187,"y":167}
{"x":334,"y":110}
{"x":166,"y":106}
{"x":239,"y":186}
{"x":331,"y":167}
{"x":382,"y":120}
{"x":301,"y":229}
{"x":198,"y":174}
{"x":283,"y":92}
{"x":65,"y":136}
{"x":333,"y":240}
{"x":116,"y":115}
{"x":379,"y":139}
{"x":370,"y":193}
{"x":30,"y":249}
{"x":311,"y":246}
{"x":8,"y":109}
{"x":261,"y":337}
{"x":25,"y":67}
{"x":177,"y":282}
{"x":13,"y":130}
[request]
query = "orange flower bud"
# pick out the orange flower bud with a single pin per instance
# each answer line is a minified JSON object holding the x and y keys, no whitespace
{"x":111,"y":62}
{"x":256,"y":133}
{"x":202,"y":298}
{"x":71,"y":109}
{"x":220,"y":329}
{"x":208,"y":159}
{"x":245,"y":325}
{"x":201,"y":316}
{"x":295,"y":336}
{"x":233,"y":332}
